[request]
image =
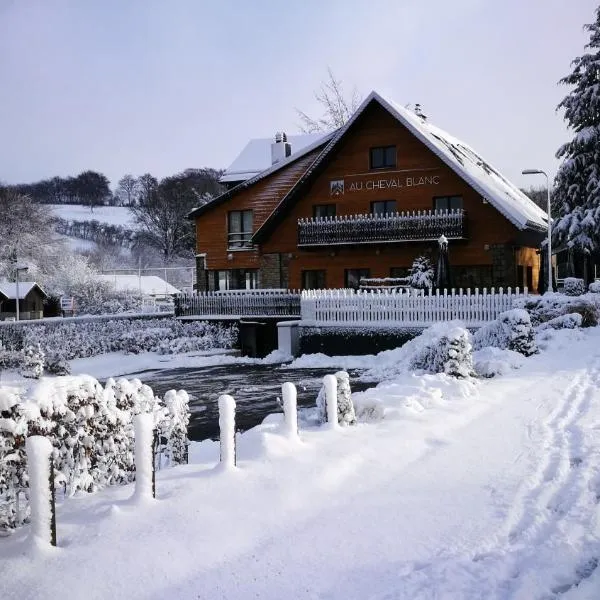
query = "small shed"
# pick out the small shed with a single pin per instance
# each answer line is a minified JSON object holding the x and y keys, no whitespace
{"x":31,"y":300}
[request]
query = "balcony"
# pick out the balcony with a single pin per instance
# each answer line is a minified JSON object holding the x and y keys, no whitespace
{"x":416,"y":226}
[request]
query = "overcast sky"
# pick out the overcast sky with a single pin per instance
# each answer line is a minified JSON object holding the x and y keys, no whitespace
{"x":135,"y":86}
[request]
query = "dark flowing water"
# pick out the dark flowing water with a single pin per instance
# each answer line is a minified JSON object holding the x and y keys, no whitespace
{"x":256,"y":389}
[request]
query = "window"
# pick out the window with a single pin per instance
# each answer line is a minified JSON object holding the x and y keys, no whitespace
{"x":352,"y":277}
{"x":448,"y":202}
{"x":313,"y":280}
{"x":239,"y":229}
{"x":383,"y":207}
{"x":382,"y":157}
{"x":323,"y":210}
{"x":236,"y":279}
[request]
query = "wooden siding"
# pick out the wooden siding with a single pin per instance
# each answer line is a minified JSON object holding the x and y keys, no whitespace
{"x":262,"y":198}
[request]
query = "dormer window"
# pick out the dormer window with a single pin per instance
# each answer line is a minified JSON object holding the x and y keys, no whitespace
{"x":382,"y":157}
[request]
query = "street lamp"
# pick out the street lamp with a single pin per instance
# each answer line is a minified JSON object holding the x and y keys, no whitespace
{"x":18,"y":270}
{"x":540,"y":172}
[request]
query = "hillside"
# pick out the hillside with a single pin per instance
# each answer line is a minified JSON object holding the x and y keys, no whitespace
{"x":111,"y":215}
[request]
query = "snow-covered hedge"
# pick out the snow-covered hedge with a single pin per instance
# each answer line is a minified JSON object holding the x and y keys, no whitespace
{"x":91,"y":431}
{"x":574,"y":286}
{"x":93,"y":337}
{"x":551,"y":305}
{"x":512,"y":330}
{"x":491,"y":361}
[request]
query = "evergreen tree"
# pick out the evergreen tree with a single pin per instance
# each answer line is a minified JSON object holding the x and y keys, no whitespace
{"x":421,"y":274}
{"x":577,"y":186}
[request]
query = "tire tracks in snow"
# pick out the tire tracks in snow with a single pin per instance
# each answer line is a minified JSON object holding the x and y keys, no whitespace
{"x":556,"y":508}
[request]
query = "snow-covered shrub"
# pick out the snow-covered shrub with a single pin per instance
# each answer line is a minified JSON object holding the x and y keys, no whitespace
{"x":13,"y":460}
{"x":91,"y":431}
{"x":595,"y":287}
{"x":551,"y":305}
{"x":345,"y":408}
{"x":574,"y":286}
{"x":173,"y":428}
{"x":512,"y":330}
{"x":57,"y":365}
{"x":569,"y":321}
{"x":421,"y":274}
{"x":33,"y":362}
{"x":444,"y":348}
{"x":491,"y":361}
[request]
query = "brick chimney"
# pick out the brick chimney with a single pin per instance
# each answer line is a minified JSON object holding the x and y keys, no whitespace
{"x":280,"y":148}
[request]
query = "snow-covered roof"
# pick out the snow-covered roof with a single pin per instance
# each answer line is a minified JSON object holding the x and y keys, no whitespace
{"x":507,"y":198}
{"x":150,"y":285}
{"x":9,"y":289}
{"x":518,"y":208}
{"x":256,"y":156}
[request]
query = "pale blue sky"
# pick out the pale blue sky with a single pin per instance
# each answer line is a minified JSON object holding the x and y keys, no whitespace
{"x":135,"y":86}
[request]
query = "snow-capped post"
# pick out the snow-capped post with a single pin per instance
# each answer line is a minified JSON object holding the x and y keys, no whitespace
{"x":143,"y":425}
{"x":330,"y":383}
{"x":41,"y":488}
{"x":227,"y":430}
{"x":290,"y":413}
{"x":154,"y":451}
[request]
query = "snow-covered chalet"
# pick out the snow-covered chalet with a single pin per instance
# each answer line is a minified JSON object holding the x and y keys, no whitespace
{"x":364,"y":201}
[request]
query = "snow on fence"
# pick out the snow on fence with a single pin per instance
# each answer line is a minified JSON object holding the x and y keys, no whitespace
{"x":406,"y":307}
{"x":281,"y":303}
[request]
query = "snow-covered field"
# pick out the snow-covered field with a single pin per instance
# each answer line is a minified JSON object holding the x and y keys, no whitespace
{"x":111,"y":215}
{"x":466,"y":489}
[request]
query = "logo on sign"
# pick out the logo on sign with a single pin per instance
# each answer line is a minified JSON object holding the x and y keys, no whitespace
{"x":336,"y":187}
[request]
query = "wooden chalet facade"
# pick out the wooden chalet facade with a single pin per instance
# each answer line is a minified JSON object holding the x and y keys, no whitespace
{"x":365,"y":201}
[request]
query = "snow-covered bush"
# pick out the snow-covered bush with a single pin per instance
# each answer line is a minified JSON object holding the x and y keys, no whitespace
{"x":444,"y":348}
{"x":91,"y":431}
{"x":13,"y":461}
{"x":512,"y":330}
{"x":11,"y":359}
{"x":345,"y":408}
{"x":569,"y":321}
{"x":368,"y":409}
{"x":33,"y":361}
{"x":81,"y":339}
{"x":491,"y":361}
{"x":574,"y":286}
{"x":57,"y":365}
{"x":421,"y":274}
{"x":551,"y":305}
{"x":595,"y":287}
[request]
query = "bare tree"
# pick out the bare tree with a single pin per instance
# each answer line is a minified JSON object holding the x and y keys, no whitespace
{"x":338,"y":107}
{"x":127,"y":190}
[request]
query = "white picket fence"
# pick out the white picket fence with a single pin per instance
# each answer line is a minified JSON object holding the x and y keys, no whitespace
{"x":416,"y":308}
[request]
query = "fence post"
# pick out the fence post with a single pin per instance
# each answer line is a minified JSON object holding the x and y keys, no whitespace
{"x":330,"y":383}
{"x":41,"y":488}
{"x":290,"y":413}
{"x":143,"y":425}
{"x":227,"y":431}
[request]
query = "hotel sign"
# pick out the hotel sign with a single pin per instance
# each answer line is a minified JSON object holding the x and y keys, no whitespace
{"x":338,"y":187}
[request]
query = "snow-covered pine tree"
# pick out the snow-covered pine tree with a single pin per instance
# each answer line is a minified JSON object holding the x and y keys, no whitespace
{"x":577,"y":184}
{"x":421,"y":274}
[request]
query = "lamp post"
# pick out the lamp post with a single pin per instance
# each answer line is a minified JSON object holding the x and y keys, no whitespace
{"x":540,"y":172}
{"x":18,"y":300}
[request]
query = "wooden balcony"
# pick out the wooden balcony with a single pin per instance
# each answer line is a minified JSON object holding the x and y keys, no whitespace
{"x":416,"y":226}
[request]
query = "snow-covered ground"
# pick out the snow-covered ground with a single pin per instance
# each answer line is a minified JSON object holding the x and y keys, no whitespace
{"x":466,"y":489}
{"x":111,"y":215}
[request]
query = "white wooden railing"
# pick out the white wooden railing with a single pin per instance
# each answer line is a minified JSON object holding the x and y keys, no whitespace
{"x":415,"y":308}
